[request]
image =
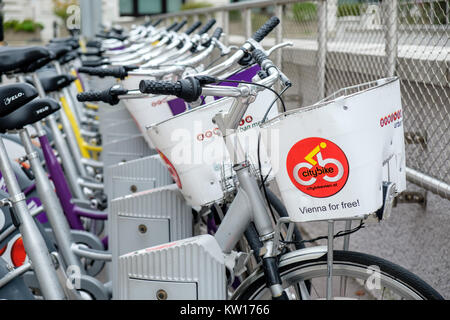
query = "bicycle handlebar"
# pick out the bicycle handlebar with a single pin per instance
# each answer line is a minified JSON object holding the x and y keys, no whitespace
{"x":108,"y":96}
{"x":206,"y":27}
{"x":193,"y":27}
{"x":171,"y":27}
{"x":188,"y":89}
{"x":118,"y":71}
{"x":94,"y":63}
{"x":180,"y":25}
{"x":157,"y":22}
{"x":217,"y":33}
{"x":265,"y":29}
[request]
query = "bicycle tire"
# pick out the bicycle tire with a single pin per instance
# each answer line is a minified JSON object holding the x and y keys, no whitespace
{"x":345,"y":263}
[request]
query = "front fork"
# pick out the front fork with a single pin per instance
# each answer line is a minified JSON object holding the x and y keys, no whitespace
{"x":247,"y":207}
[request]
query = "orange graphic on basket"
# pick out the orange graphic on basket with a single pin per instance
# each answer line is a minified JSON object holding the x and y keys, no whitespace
{"x":317,"y":167}
{"x":172,"y":170}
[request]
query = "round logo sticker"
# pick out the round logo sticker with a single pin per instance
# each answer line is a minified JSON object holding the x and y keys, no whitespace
{"x":317,"y":167}
{"x":171,"y":168}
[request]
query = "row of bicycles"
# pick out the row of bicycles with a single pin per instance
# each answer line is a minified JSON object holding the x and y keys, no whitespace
{"x":159,"y":163}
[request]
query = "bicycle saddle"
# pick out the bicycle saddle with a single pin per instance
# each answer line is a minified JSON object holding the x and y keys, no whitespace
{"x":57,"y":82}
{"x":71,"y":41}
{"x":13,"y":96}
{"x":59,"y":50}
{"x":30,"y":113}
{"x":68,"y":57}
{"x":21,"y":58}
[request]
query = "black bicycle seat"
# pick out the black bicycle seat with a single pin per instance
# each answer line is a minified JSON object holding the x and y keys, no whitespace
{"x":57,"y":82}
{"x":68,"y":57}
{"x":72,"y":42}
{"x":21,"y":58}
{"x":30,"y":113}
{"x":59,"y":50}
{"x":13,"y":96}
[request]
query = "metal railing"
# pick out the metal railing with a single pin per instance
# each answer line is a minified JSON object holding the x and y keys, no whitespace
{"x":338,"y":45}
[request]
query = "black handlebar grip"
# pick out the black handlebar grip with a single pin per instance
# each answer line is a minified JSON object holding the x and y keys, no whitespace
{"x":172,"y":26}
{"x":94,"y":63}
{"x":111,"y":36}
{"x":104,"y":72}
{"x":94,"y":44}
{"x":85,"y":69}
{"x":97,"y":53}
{"x":108,"y":96}
{"x":259,"y":56}
{"x":157,"y":22}
{"x":188,"y":89}
{"x":266,"y":28}
{"x":180,"y":25}
{"x":90,"y":96}
{"x":193,"y":27}
{"x":217,"y":33}
{"x":160,"y":87}
{"x":207,"y":26}
{"x":120,"y":72}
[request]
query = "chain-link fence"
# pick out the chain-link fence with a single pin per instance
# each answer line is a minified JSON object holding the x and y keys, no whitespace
{"x":339,"y":43}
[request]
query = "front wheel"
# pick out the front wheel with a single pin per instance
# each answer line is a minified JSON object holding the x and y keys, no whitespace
{"x":355,"y":276}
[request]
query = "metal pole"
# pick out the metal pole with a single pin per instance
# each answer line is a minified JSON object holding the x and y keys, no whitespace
{"x":322,"y":47}
{"x":248,"y":22}
{"x":226,"y":26}
{"x":91,"y":17}
{"x":425,"y":181}
{"x":391,"y":34}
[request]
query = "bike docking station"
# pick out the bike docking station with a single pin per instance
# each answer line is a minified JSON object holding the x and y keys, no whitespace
{"x":146,"y":219}
{"x":344,"y":133}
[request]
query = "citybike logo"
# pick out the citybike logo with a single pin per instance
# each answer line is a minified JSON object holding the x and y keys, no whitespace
{"x":172,"y":170}
{"x":209,"y":133}
{"x":317,"y":167}
{"x":8,"y":100}
{"x":384,"y":121}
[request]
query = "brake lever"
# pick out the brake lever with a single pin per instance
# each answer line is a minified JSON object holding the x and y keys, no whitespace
{"x":224,"y":50}
{"x":204,"y":38}
{"x":279,"y":46}
{"x":283,"y":78}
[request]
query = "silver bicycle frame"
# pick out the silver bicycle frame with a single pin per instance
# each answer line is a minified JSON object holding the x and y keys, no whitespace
{"x":33,"y":241}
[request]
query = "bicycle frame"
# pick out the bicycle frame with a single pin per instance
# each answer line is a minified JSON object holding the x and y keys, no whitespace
{"x":33,"y":241}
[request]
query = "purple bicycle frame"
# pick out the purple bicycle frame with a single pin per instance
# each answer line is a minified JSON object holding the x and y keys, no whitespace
{"x":73,"y":213}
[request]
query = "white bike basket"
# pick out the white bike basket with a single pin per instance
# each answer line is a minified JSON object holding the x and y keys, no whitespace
{"x":332,"y":158}
{"x":195,"y":152}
